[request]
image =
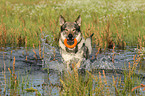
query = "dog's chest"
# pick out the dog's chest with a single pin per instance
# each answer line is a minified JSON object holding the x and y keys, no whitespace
{"x":71,"y":56}
{"x":67,"y":56}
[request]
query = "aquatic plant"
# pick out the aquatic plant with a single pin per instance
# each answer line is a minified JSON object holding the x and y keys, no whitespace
{"x":116,"y":24}
{"x":88,"y":84}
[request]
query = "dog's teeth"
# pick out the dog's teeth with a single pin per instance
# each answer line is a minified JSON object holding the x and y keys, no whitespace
{"x":71,"y":48}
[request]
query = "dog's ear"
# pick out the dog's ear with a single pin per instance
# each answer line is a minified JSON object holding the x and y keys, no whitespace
{"x":78,"y":20}
{"x":61,"y":20}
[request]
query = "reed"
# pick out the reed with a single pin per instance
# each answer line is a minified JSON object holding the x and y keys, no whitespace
{"x":13,"y":80}
{"x":34,"y":52}
{"x":115,"y":24}
{"x":16,"y":83}
{"x":40,"y":50}
{"x":113,"y":56}
{"x":109,"y":26}
{"x":4,"y":73}
{"x":141,"y":86}
{"x":106,"y":84}
{"x":98,"y":85}
{"x":74,"y":83}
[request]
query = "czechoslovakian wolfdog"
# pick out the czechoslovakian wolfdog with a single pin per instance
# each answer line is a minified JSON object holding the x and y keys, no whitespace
{"x":73,"y":46}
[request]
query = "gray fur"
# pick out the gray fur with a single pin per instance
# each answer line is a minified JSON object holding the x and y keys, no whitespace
{"x":83,"y":48}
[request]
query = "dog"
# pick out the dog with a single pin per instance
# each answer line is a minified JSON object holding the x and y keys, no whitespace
{"x":69,"y":32}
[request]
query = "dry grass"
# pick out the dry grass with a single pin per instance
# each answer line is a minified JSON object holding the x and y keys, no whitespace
{"x":22,"y":22}
{"x":75,"y":84}
{"x":115,"y":24}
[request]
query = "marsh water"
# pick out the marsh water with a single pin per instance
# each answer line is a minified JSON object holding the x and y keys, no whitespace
{"x":32,"y":72}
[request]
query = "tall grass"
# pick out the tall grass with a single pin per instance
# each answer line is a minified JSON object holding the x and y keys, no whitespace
{"x":88,"y":84}
{"x":75,"y":83}
{"x":16,"y":85}
{"x":112,"y":21}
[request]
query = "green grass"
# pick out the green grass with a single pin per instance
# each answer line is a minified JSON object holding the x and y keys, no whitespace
{"x":22,"y":22}
{"x":89,"y":84}
{"x":120,"y":22}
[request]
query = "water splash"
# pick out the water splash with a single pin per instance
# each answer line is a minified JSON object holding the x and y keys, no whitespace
{"x":101,"y":63}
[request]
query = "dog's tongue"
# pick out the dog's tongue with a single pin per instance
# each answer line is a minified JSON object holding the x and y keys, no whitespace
{"x":70,"y":42}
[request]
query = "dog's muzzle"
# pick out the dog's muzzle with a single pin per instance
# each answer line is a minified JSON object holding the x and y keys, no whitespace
{"x":70,"y":42}
{"x":70,"y":46}
{"x":70,"y":36}
{"x":70,"y":39}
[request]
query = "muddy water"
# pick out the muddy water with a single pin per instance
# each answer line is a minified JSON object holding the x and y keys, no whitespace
{"x":32,"y":72}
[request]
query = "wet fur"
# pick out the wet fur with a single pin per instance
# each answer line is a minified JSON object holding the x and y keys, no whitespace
{"x":71,"y":30}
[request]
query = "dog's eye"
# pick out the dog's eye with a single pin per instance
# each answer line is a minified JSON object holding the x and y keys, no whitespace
{"x":74,"y":30}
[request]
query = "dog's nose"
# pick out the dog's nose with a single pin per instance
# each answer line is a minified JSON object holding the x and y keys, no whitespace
{"x":70,"y":36}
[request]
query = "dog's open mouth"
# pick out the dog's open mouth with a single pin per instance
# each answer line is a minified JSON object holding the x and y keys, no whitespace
{"x":70,"y":43}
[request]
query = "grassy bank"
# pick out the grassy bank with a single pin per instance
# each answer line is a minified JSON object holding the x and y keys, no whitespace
{"x":120,"y":22}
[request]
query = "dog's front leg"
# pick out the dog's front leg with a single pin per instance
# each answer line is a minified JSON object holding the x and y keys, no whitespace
{"x":68,"y":65}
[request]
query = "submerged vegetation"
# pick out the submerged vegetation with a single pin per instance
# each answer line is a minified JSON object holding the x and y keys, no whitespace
{"x":115,"y":24}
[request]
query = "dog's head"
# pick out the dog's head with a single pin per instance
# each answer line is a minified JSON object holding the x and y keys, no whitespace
{"x":70,"y":30}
